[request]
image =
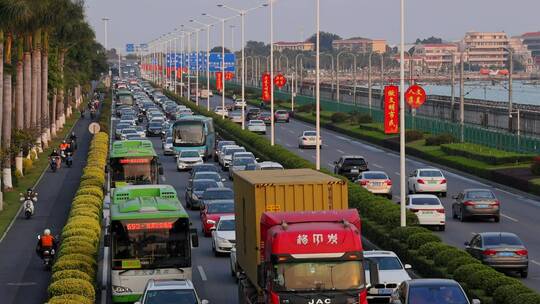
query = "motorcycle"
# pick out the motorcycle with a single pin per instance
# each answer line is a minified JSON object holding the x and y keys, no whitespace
{"x":69,"y":159}
{"x":28,"y":205}
{"x":54,"y":163}
{"x":73,"y":144}
{"x":92,"y":113}
{"x":47,"y":256}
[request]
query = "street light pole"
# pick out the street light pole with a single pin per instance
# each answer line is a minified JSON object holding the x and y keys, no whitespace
{"x":272,"y":129}
{"x":510,"y":89}
{"x":197,"y":31}
{"x":402,"y":118}
{"x":208,"y":26}
{"x":318,"y":92}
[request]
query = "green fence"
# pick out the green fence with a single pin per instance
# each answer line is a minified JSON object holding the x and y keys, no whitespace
{"x":471,"y":133}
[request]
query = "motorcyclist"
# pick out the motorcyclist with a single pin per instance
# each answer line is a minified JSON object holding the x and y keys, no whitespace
{"x":46,"y":241}
{"x":73,"y":141}
{"x":56,"y":156}
{"x":30,"y":195}
{"x":64,"y":145}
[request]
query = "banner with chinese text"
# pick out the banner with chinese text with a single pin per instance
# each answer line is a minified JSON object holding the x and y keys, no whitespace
{"x":391,"y":109}
{"x":266,"y":87}
{"x":219,"y":81}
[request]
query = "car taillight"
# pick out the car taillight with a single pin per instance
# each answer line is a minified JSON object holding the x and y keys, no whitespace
{"x":489,"y":252}
{"x":303,"y":138}
{"x":363,"y":297}
{"x":522,"y":252}
{"x":440,"y":210}
{"x":363,"y":182}
{"x":389,"y":182}
{"x":443,"y":181}
{"x":420,"y":181}
{"x":414,"y":210}
{"x":467,"y":203}
{"x":495,"y":203}
{"x":274,"y":297}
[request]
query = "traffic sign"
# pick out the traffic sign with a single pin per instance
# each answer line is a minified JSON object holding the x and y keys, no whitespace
{"x":130,"y":48}
{"x":94,"y":128}
{"x":415,"y":96}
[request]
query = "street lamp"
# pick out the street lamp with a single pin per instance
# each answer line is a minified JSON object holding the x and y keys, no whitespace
{"x":272,"y":129}
{"x":370,"y":81}
{"x":296,"y":76}
{"x":243,"y":13}
{"x":337,"y":71}
{"x":222,"y":20}
{"x":197,"y":31}
{"x":318,"y":89}
{"x":208,"y":26}
{"x":402,"y":176}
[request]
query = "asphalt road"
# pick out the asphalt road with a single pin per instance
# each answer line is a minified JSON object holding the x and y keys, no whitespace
{"x":519,"y":213}
{"x":23,"y":278}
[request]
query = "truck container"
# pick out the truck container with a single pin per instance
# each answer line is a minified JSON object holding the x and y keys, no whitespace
{"x":296,"y":241}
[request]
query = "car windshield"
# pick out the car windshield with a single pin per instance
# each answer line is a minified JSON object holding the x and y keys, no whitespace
{"x":265,"y":114}
{"x":232,"y":151}
{"x":218,"y":194}
{"x":384,"y":262}
{"x":281,"y":112}
{"x":436,"y":294}
{"x":224,"y":143}
{"x":168,"y":140}
{"x":480,"y":195}
{"x":236,"y":113}
{"x":256,"y":122}
{"x":189,"y":154}
{"x":155,"y":125}
{"x":243,"y":161}
{"x":226,"y":225}
{"x":189,"y":133}
{"x":207,"y":175}
{"x":353,"y":161}
{"x":309,"y":276}
{"x":375,"y":175}
{"x":201,"y":185}
{"x":430,"y":173}
{"x":128,"y":131}
{"x":501,"y":239}
{"x":204,"y":168}
{"x":170,"y":297}
{"x":220,"y":208}
{"x":310,"y":133}
{"x":427,"y":201}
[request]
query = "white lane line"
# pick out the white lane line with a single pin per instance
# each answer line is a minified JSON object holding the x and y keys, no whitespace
{"x":377,"y":166}
{"x":509,"y":193}
{"x":290,"y":131}
{"x":396,"y":173}
{"x":508,"y":217}
{"x":535,"y":262}
{"x":342,"y":138}
{"x":163,"y":178}
{"x":393,"y":155}
{"x":202,"y":273}
{"x":339,"y":151}
{"x":22,"y":284}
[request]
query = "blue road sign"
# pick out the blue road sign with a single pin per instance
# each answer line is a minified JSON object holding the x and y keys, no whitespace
{"x":130,"y":48}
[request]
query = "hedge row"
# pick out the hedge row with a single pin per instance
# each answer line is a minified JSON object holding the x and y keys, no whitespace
{"x":486,"y":155}
{"x":381,"y":220}
{"x":74,"y":271}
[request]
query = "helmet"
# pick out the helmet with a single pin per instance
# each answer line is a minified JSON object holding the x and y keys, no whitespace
{"x":47,"y":232}
{"x":54,"y":150}
{"x":29,"y":190}
{"x":64,"y":141}
{"x":73,"y":133}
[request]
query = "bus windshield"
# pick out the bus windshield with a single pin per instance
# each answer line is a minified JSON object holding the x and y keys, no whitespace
{"x":137,"y":171}
{"x":150,"y":244}
{"x":125,"y":99}
{"x":189,"y":134}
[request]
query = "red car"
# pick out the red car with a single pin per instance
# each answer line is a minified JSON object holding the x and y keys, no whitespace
{"x":213,"y":211}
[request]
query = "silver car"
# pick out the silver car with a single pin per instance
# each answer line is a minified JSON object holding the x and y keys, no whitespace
{"x":376,"y":182}
{"x":240,"y":164}
{"x":236,"y":116}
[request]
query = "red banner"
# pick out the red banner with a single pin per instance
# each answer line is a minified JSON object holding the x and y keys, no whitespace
{"x":391,"y":109}
{"x":266,"y":87}
{"x":280,"y":80}
{"x":229,"y":75}
{"x":219,"y":81}
{"x":415,"y":96}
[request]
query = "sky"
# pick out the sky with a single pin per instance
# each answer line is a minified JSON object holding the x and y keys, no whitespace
{"x":141,"y":21}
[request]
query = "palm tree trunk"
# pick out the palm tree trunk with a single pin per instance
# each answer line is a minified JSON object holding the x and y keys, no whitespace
{"x":53,"y":112}
{"x":46,"y":136}
{"x":37,"y":39}
{"x":33,"y":88}
{"x":1,"y":97}
{"x":19,"y":101}
{"x":61,"y":96}
{"x":6,"y":121}
{"x":27,"y":88}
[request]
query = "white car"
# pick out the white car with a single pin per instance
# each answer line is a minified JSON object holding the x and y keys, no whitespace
{"x":240,"y":164}
{"x":308,"y":139}
{"x":221,"y":111}
{"x":126,"y":132}
{"x":168,"y":148}
{"x":257,"y":126}
{"x":128,"y":122}
{"x":239,"y":103}
{"x":187,"y":159}
{"x":221,"y":151}
{"x":427,"y":181}
{"x":224,"y":236}
{"x":391,"y":273}
{"x":376,"y":182}
{"x":428,"y":209}
{"x":170,"y":291}
{"x":268,"y":165}
{"x":141,"y":131}
{"x":236,"y":116}
{"x":226,"y":156}
{"x":232,"y":263}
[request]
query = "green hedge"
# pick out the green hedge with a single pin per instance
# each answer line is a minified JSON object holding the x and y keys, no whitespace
{"x":485,"y":154}
{"x":380,"y":219}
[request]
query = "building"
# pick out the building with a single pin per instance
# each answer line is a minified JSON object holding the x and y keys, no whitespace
{"x":437,"y":56}
{"x":295,"y":46}
{"x":360,"y":45}
{"x":532,"y":41}
{"x":486,"y":49}
{"x":418,"y":62}
{"x":522,"y":53}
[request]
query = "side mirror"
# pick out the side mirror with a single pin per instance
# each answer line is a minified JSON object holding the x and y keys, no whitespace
{"x":476,"y":301}
{"x":190,"y":180}
{"x":207,"y":302}
{"x":160,"y":169}
{"x":467,"y":244}
{"x":39,"y":237}
{"x":408,"y":266}
{"x":137,"y":302}
{"x":223,"y":179}
{"x":194,"y":238}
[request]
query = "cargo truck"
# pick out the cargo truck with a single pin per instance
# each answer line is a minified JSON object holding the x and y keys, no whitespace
{"x":296,"y":241}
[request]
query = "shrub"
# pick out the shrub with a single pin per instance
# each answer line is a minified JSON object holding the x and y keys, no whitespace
{"x":94,"y":181}
{"x":69,"y":299}
{"x":475,"y":280}
{"x":70,"y":274}
{"x":462,"y":272}
{"x":72,"y":286}
{"x":526,"y":298}
{"x":75,"y":240}
{"x":74,"y":265}
{"x":86,"y":199}
{"x":491,"y":283}
{"x":82,"y":248}
{"x":413,"y":135}
{"x":339,"y":117}
{"x":442,"y":258}
{"x":86,"y":212}
{"x":78,"y":257}
{"x":403,"y":233}
{"x":83,"y":222}
{"x":307,"y":108}
{"x":535,"y":167}
{"x":80,"y":231}
{"x":437,"y":140}
{"x":417,"y":240}
{"x":452,"y":265}
{"x":505,"y":294}
{"x":429,"y":250}
{"x":364,"y":119}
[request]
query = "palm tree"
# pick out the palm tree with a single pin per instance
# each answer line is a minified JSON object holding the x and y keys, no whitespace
{"x":19,"y":99}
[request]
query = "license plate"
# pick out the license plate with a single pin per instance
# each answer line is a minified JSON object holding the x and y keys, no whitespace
{"x":505,"y":254}
{"x":482,"y":206}
{"x":376,"y":184}
{"x":355,"y":171}
{"x":433,"y":182}
{"x":385,"y":291}
{"x":427,"y":212}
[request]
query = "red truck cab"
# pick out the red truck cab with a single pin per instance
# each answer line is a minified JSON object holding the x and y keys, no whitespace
{"x":312,"y":258}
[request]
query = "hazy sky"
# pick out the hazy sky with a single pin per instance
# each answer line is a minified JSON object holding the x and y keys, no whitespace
{"x":140,"y":21}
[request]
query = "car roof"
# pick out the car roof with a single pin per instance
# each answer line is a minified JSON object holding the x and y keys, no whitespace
{"x":205,"y":180}
{"x":352,"y":156}
{"x":493,"y":233}
{"x":477,"y":189}
{"x":377,"y":172}
{"x":422,"y":195}
{"x":170,"y":284}
{"x":220,"y":201}
{"x":379,"y":253}
{"x":428,"y":169}
{"x":227,"y":218}
{"x":219,"y":189}
{"x":432,"y":282}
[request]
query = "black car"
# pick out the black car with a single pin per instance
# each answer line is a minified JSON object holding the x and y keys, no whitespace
{"x":253,"y":114}
{"x":433,"y":291}
{"x":350,"y":166}
{"x":154,"y":129}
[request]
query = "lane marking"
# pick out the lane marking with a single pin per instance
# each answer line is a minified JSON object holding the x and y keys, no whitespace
{"x":377,"y":166}
{"x":163,"y":178}
{"x":535,"y":262}
{"x":330,"y":165}
{"x":392,"y":155}
{"x":290,"y":131}
{"x":22,"y":284}
{"x":509,"y":193}
{"x":340,"y":151}
{"x":396,"y":173}
{"x":202,"y":273}
{"x":342,"y":138}
{"x":510,"y":218}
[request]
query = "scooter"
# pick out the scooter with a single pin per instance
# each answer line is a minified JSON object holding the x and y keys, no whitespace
{"x":63,"y":155}
{"x":47,"y":256}
{"x":28,"y":205}
{"x":92,"y":113}
{"x":69,"y":159}
{"x":54,"y":163}
{"x":73,"y":144}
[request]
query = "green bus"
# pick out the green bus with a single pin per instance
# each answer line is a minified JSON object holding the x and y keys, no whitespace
{"x":123,"y":97}
{"x":149,"y":238}
{"x":133,"y":162}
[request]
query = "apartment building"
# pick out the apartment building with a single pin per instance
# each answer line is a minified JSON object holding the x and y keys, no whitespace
{"x":360,"y":45}
{"x":522,"y":53}
{"x":294,"y":45}
{"x":532,"y":41}
{"x":486,"y":49}
{"x":437,"y":56}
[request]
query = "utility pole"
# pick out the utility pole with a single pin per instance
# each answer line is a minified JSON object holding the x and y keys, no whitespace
{"x":510,"y":92}
{"x":461,"y":96}
{"x":370,"y":94}
{"x":452,"y":88}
